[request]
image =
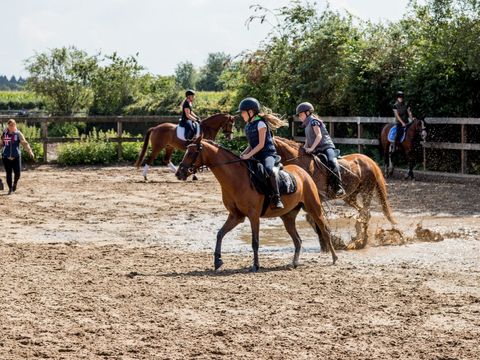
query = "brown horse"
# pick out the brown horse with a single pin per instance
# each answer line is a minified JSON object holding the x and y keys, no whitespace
{"x":360,"y":176}
{"x":164,"y":136}
{"x":416,"y":132}
{"x":242,"y":200}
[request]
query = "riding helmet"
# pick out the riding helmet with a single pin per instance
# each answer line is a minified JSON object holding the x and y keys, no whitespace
{"x":189,"y":92}
{"x":400,"y":94}
{"x":249,"y":103}
{"x":304,"y":106}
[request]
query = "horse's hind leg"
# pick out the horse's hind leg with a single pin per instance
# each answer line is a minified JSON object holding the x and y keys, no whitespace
{"x":315,"y":211}
{"x":289,"y":222}
{"x":155,"y":151}
{"x":321,"y":240}
{"x":361,"y":225}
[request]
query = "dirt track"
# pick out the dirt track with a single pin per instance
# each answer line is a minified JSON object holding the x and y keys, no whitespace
{"x":98,"y":264}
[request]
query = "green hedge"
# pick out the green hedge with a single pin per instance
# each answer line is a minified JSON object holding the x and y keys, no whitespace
{"x":95,"y":148}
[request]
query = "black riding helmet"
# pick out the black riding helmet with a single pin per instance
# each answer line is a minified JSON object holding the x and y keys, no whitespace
{"x":400,"y":94}
{"x":303,"y":107}
{"x":249,"y":103}
{"x":189,"y":92}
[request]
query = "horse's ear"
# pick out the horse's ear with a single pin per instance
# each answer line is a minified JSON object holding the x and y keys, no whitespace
{"x":199,"y":139}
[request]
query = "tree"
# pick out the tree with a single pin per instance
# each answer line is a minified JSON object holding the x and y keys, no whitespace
{"x":62,"y":76}
{"x":210,"y":74}
{"x":114,"y":84}
{"x":186,"y":75}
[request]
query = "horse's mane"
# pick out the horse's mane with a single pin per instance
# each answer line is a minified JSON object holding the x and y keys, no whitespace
{"x":289,"y":142}
{"x":214,"y":116}
{"x":211,"y":142}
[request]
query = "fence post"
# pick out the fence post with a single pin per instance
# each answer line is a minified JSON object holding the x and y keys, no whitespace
{"x":359,"y":135}
{"x":119,"y":135}
{"x":44,"y":128}
{"x":291,"y":125}
{"x":463,"y":153}
{"x":331,"y":130}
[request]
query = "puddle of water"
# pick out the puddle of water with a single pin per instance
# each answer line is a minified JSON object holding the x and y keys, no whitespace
{"x":409,"y":229}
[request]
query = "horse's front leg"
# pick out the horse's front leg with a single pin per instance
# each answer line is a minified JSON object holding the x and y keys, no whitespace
{"x":255,"y":225}
{"x":411,"y":165}
{"x":387,"y":159}
{"x":232,"y":221}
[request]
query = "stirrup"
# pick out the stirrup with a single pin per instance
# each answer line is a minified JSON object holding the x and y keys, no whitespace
{"x":276,"y":202}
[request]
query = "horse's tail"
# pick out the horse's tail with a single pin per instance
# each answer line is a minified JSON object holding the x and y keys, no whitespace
{"x":144,"y":148}
{"x":381,"y":188}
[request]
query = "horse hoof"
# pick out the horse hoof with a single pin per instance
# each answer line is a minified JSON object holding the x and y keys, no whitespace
{"x":218,"y":264}
{"x":194,"y":178}
{"x":334,"y":258}
{"x":254,"y":268}
{"x":145,"y":178}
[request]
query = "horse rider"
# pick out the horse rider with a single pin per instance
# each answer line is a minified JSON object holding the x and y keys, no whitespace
{"x":403,"y":115}
{"x":188,"y":116}
{"x":260,"y":142}
{"x":11,"y":155}
{"x":318,"y":140}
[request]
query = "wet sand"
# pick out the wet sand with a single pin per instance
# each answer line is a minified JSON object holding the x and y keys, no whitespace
{"x":98,"y":264}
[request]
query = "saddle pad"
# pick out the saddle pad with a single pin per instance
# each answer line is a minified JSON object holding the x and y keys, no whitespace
{"x":286,"y":182}
{"x":181,"y":131}
{"x":393,"y":133}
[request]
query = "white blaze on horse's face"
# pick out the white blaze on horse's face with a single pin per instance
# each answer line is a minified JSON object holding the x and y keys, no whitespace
{"x":423,"y":134}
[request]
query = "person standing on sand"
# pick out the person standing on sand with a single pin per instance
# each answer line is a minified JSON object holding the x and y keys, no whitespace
{"x":11,"y":155}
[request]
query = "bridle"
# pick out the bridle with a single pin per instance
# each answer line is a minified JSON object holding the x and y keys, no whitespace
{"x":193,"y":167}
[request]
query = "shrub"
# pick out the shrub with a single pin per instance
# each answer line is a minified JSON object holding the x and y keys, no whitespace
{"x":92,"y":149}
{"x":67,"y":129}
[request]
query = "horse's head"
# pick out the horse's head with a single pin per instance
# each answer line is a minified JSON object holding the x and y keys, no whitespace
{"x":227,"y":127}
{"x":191,"y":160}
{"x":214,"y":123}
{"x":420,"y":129}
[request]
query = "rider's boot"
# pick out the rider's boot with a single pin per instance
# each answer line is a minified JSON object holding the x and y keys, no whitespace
{"x":276,"y":202}
{"x":337,"y":183}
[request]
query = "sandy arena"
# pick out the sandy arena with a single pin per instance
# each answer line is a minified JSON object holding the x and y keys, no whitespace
{"x":98,"y":264}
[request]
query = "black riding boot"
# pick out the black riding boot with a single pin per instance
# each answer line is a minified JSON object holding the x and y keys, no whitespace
{"x":276,"y":202}
{"x":337,"y":182}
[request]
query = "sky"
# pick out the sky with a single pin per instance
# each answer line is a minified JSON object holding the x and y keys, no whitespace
{"x":162,"y":32}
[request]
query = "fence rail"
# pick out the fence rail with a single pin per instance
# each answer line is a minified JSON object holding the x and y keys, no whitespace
{"x":119,"y":120}
{"x":360,"y":141}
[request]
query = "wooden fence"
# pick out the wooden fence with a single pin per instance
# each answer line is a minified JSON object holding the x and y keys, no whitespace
{"x":360,"y":141}
{"x":118,"y":120}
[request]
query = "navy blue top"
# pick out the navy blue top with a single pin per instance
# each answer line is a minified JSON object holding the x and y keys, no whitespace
{"x":11,"y":144}
{"x":251,"y":132}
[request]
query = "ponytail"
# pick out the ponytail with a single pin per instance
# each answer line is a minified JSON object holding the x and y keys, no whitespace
{"x":274,"y":120}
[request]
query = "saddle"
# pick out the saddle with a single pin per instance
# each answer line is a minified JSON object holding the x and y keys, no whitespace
{"x":321,"y":160}
{"x":320,"y":156}
{"x":181,"y":131}
{"x":260,"y":182}
{"x":393,"y":133}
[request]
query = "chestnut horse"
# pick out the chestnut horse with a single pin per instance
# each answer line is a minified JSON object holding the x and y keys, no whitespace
{"x":416,"y":132}
{"x":164,"y":136}
{"x":242,"y":200}
{"x":360,"y":176}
